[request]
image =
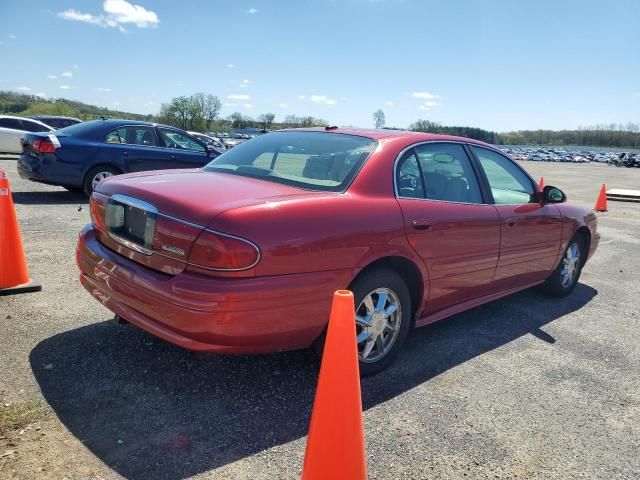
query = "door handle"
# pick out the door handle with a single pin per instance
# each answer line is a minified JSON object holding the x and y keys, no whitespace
{"x":421,"y":224}
{"x":125,"y":153}
{"x":512,"y":222}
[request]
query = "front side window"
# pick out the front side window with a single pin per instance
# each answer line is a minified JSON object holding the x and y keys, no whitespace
{"x":509,"y":184}
{"x":179,"y":141}
{"x":448,"y":174}
{"x":313,"y":160}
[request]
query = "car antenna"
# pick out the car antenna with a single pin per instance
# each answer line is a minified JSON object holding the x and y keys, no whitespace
{"x":332,"y":127}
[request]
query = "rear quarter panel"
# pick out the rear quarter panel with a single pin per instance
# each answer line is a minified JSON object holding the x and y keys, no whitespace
{"x":328,"y":232}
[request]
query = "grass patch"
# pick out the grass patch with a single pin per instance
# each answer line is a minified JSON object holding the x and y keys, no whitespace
{"x":17,"y":415}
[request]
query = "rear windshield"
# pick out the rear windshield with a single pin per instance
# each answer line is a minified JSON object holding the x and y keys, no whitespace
{"x":311,"y":160}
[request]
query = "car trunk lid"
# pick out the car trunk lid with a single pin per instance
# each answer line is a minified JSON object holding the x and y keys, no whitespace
{"x":154,"y":218}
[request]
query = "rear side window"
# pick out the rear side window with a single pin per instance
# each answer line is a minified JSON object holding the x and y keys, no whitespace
{"x":509,"y":184}
{"x":10,"y":123}
{"x":33,"y":126}
{"x":448,"y":174}
{"x":133,"y":135}
{"x":313,"y":160}
{"x":408,"y":177}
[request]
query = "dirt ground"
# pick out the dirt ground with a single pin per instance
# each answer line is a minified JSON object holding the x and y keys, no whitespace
{"x":524,"y":387}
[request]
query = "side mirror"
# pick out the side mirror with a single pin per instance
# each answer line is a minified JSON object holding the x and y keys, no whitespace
{"x":551,"y":194}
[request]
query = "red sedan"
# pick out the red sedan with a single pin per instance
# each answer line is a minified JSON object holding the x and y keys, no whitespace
{"x":243,"y":255}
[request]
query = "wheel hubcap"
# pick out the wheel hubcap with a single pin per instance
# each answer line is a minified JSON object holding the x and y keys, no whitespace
{"x":570,"y":265}
{"x":98,"y":177}
{"x":378,"y":320}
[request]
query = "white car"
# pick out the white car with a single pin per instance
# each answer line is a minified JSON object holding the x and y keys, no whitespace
{"x":12,"y":129}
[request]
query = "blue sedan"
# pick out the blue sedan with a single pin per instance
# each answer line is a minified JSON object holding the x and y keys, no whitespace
{"x":80,"y":156}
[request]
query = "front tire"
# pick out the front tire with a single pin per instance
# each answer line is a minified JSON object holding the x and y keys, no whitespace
{"x":383,"y":319}
{"x":564,"y":278}
{"x":96,"y":175}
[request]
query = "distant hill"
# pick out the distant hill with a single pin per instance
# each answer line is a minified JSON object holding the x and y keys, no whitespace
{"x":27,"y":105}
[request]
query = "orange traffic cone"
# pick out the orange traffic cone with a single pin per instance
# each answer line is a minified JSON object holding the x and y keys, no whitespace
{"x":14,"y":276}
{"x":335,"y":447}
{"x":541,"y":183}
{"x":601,"y":202}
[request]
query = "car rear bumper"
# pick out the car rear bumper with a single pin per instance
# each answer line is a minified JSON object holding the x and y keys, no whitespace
{"x":222,"y":315}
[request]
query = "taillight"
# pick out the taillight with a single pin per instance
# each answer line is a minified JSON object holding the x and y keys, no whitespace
{"x":219,"y":251}
{"x":43,"y":146}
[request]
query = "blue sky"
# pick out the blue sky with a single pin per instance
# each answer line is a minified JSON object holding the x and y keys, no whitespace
{"x":499,"y":65}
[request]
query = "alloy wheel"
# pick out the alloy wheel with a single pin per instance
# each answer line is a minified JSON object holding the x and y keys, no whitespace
{"x":378,"y":319}
{"x":98,"y":177}
{"x":570,"y":265}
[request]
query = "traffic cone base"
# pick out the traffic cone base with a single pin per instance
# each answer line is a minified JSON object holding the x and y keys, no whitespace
{"x":26,"y":288}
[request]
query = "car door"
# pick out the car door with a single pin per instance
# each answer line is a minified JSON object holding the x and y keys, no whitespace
{"x":10,"y":134}
{"x":448,"y":221}
{"x":530,"y":230}
{"x":183,"y":150}
{"x":136,"y":148}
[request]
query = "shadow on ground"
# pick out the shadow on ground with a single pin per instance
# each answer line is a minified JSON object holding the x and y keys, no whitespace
{"x":151,"y":410}
{"x":61,"y":197}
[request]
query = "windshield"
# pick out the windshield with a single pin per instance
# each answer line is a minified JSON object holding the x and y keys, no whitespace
{"x":312,"y":160}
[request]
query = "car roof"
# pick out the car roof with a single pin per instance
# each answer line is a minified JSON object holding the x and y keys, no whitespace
{"x":379,"y":134}
{"x":62,"y":117}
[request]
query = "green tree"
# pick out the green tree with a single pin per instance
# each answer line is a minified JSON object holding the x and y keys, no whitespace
{"x":378,"y":118}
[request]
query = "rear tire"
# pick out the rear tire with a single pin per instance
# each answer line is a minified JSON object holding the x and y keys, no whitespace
{"x":383,"y":319}
{"x":565,"y":277}
{"x":95,"y":175}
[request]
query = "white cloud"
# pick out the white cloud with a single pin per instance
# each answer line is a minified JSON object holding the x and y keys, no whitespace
{"x":65,"y":87}
{"x":252,"y":11}
{"x":67,"y":74}
{"x":75,"y":66}
{"x":116,"y":13}
{"x":231,"y":65}
{"x":23,"y":89}
{"x":103,"y":89}
{"x":12,"y":36}
{"x":323,"y":99}
{"x":301,"y":97}
{"x":248,"y":105}
{"x":284,"y":105}
{"x":52,"y":77}
{"x":149,"y":102}
{"x":115,"y":104}
{"x":239,"y":96}
{"x":41,"y":95}
{"x":244,"y":84}
{"x":230,"y":104}
{"x":425,"y":95}
{"x":428,"y":105}
{"x":389,"y":103}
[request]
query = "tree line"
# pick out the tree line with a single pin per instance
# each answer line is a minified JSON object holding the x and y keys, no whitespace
{"x":202,"y":112}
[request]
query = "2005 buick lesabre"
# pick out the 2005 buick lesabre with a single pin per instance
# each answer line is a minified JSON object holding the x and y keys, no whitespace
{"x":243,"y":255}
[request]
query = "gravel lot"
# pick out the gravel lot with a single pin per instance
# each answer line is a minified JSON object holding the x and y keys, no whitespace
{"x":525,"y":387}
